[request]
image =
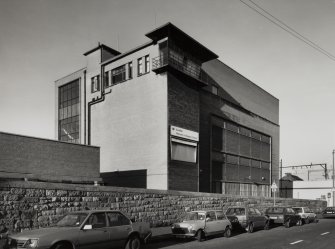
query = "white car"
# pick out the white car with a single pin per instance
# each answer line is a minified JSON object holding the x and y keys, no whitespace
{"x":200,"y":224}
{"x":306,"y":214}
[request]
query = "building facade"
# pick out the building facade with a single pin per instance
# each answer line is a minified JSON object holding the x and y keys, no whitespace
{"x":170,"y":115}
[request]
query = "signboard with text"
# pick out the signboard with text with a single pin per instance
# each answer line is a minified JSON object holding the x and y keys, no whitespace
{"x":184,"y":133}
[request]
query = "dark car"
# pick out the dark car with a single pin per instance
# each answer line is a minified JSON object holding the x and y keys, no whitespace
{"x":247,"y":218}
{"x":329,"y":212}
{"x":283,"y":215}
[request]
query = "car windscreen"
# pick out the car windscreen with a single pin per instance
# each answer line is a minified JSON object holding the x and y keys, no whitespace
{"x":195,"y":216}
{"x":72,"y":220}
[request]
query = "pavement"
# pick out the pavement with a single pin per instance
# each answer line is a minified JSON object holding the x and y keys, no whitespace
{"x":160,"y":233}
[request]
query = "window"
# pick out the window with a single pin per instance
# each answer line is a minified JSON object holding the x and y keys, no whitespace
{"x":95,"y":85}
{"x":140,"y":66}
{"x":97,"y":220}
{"x":69,"y":112}
{"x":183,"y":151}
{"x":214,"y":90}
{"x":117,"y":219}
{"x":107,"y":79}
{"x":119,"y":74}
{"x":147,"y":64}
{"x":130,"y":70}
{"x":220,"y":215}
{"x":211,"y":215}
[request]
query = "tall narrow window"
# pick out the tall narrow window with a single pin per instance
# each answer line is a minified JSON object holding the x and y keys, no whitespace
{"x":147,"y":64}
{"x":95,"y":84}
{"x":140,"y":66}
{"x":69,"y":112}
{"x":130,"y":70}
{"x":107,"y":79}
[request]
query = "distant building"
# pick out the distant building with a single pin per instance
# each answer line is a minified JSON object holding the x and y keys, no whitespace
{"x":169,"y":115}
{"x":286,"y":185}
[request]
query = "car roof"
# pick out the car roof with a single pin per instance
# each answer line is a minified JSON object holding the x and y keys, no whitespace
{"x":94,"y":211}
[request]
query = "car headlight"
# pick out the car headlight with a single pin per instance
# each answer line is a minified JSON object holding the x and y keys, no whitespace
{"x":31,"y":243}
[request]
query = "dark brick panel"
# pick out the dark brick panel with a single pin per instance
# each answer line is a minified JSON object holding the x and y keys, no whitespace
{"x":42,"y":157}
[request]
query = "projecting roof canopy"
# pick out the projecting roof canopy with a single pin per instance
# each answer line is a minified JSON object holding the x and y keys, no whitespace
{"x":183,"y":40}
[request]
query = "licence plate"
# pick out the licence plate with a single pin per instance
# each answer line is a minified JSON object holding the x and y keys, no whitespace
{"x":273,"y":217}
{"x":329,"y":212}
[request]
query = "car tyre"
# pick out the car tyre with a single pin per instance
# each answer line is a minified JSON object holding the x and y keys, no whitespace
{"x":250,"y":227}
{"x":267,"y":225}
{"x":133,"y":242}
{"x":299,"y":222}
{"x":200,"y":236}
{"x":62,"y":246}
{"x":288,"y":223}
{"x":227,"y":232}
{"x":307,"y":220}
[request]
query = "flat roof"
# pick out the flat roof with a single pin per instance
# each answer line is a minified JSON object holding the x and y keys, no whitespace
{"x":113,"y":51}
{"x":170,"y":30}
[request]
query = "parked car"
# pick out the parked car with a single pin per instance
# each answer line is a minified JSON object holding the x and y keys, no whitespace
{"x":306,"y":214}
{"x":248,"y":218}
{"x":329,"y":212}
{"x":85,"y":229}
{"x":283,"y":215}
{"x":200,"y":224}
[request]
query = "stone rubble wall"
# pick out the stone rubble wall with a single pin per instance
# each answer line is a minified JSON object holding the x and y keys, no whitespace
{"x":27,"y":205}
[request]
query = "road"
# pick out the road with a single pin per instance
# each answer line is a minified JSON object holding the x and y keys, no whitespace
{"x":312,"y":236}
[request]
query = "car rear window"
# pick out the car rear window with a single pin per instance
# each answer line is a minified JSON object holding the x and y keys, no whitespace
{"x":275,"y":210}
{"x":235,"y":211}
{"x":298,"y":210}
{"x":330,"y":209}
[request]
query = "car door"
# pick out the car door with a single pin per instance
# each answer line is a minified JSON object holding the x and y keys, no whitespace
{"x":119,"y":227}
{"x":261,"y":220}
{"x":223,"y":221}
{"x":94,"y":233}
{"x":212,"y":225}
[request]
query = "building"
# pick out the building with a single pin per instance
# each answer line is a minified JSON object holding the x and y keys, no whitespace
{"x":169,"y":115}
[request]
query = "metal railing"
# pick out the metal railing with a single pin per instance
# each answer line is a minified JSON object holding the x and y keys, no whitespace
{"x":181,"y":65}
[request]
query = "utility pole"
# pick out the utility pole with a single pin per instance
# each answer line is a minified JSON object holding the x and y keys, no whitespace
{"x":333,"y":179}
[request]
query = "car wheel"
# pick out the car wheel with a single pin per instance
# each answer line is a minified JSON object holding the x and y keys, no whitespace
{"x":307,"y":220}
{"x":288,"y":223}
{"x":62,"y":246}
{"x":267,"y":225}
{"x":227,"y":232}
{"x":299,"y":222}
{"x":250,"y":227}
{"x":200,"y":236}
{"x":133,"y":242}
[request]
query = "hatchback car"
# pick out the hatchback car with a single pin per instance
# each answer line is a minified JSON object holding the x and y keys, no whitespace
{"x":329,"y":212}
{"x":249,"y":218}
{"x":283,"y":215}
{"x":85,"y":229}
{"x":306,"y":214}
{"x":200,"y":224}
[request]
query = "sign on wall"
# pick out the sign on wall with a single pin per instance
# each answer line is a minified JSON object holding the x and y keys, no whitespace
{"x":184,"y":133}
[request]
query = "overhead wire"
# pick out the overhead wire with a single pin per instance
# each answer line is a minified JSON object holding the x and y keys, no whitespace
{"x":287,"y":28}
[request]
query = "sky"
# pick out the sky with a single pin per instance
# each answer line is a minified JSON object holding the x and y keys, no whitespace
{"x":44,"y":40}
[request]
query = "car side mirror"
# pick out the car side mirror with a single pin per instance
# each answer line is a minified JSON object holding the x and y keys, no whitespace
{"x":208,"y":219}
{"x":132,"y":220}
{"x":87,"y":227}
